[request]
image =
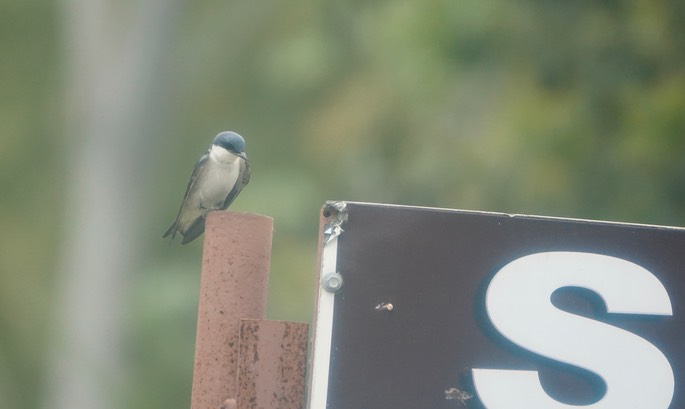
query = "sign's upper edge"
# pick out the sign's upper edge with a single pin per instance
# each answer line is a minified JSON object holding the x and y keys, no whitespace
{"x":513,"y":215}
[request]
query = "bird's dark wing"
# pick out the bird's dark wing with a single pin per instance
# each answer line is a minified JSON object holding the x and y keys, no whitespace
{"x":193,"y":178}
{"x":196,"y":229}
{"x":243,"y":179}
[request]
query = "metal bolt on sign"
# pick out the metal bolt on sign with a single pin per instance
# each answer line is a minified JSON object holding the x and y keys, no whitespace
{"x":332,"y":282}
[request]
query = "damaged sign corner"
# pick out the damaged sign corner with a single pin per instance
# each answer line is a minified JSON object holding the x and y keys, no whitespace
{"x":336,"y":214}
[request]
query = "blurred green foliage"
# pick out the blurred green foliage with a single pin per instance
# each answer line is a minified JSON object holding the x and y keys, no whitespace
{"x":546,"y":107}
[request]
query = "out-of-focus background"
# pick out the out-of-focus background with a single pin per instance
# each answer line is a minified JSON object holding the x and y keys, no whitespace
{"x":560,"y":108}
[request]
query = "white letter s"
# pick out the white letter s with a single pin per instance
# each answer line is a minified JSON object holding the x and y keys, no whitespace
{"x":518,"y":302}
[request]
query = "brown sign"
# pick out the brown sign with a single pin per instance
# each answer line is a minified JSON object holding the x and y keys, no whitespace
{"x":435,"y":308}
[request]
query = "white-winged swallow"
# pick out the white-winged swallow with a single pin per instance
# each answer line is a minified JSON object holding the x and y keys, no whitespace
{"x":217,"y":178}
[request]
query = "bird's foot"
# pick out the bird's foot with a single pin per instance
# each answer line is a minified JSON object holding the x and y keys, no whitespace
{"x":208,"y":209}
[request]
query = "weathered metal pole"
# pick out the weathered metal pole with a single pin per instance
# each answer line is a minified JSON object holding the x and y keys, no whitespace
{"x":233,"y":285}
{"x":271,"y":364}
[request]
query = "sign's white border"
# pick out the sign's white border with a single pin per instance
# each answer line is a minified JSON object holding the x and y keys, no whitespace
{"x":323,"y":331}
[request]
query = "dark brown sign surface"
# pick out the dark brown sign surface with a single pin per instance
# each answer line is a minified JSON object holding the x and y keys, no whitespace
{"x":413,"y":321}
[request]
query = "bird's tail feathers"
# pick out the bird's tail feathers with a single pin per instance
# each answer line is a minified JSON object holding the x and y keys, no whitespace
{"x":172,"y":230}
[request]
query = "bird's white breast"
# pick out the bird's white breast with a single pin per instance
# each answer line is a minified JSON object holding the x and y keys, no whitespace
{"x":221,"y":174}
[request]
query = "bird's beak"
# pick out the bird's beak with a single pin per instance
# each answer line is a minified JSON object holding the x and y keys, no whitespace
{"x":242,"y":155}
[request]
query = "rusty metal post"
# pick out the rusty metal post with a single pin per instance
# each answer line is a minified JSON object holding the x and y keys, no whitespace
{"x":271,"y":364}
{"x":233,"y":285}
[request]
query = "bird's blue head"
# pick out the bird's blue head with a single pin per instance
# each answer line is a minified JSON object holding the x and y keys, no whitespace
{"x":230,"y":141}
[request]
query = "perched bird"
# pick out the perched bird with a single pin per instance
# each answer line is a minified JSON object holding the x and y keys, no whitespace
{"x":217,"y":178}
